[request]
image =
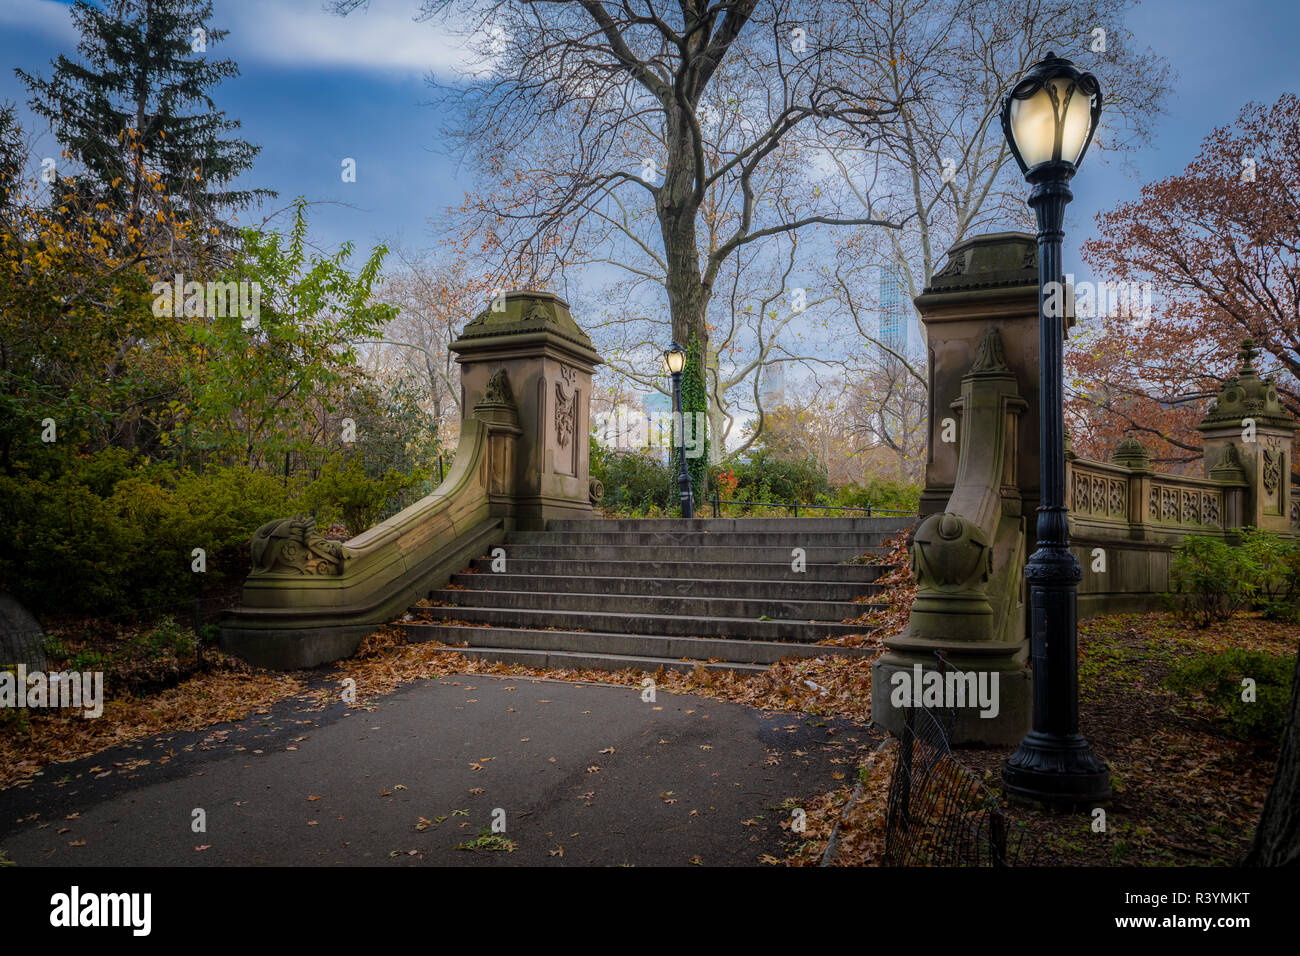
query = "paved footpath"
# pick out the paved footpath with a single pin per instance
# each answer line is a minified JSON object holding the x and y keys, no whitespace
{"x":687,"y":780}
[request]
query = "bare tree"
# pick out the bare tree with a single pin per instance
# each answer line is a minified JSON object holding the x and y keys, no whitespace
{"x":890,"y":412}
{"x":585,"y":123}
{"x":435,"y":299}
{"x":947,"y":64}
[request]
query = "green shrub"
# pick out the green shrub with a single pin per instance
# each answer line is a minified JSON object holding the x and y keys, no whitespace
{"x":881,"y":493}
{"x":103,"y":534}
{"x":1211,"y":580}
{"x":164,"y":639}
{"x":344,"y":492}
{"x":763,"y":477}
{"x":635,"y":483}
{"x":60,"y":547}
{"x":1278,"y":560}
{"x":1217,"y":679}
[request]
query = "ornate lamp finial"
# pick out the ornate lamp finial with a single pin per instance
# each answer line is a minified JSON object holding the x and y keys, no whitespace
{"x":1247,"y":355}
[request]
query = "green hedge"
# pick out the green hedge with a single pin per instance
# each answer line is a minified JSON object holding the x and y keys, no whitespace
{"x":637,"y":484}
{"x":100,"y":534}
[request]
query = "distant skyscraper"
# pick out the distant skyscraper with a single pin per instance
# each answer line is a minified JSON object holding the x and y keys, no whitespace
{"x":895,"y":318}
{"x":772,"y":389}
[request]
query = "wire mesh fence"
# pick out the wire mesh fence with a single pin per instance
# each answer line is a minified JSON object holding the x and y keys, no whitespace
{"x":29,"y":645}
{"x":938,"y":812}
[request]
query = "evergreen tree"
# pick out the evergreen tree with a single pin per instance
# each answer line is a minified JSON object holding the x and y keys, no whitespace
{"x":138,"y":101}
{"x":12,"y":155}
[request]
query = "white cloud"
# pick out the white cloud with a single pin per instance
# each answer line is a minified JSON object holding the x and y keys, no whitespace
{"x":385,"y":37}
{"x":41,"y":16}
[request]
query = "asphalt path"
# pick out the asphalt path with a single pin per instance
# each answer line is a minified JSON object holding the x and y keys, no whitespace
{"x":570,"y":774}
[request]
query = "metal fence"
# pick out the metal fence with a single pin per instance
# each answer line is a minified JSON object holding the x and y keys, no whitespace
{"x":938,"y":812}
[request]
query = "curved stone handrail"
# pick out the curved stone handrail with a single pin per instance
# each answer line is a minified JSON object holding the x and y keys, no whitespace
{"x":953,"y":552}
{"x":295,"y":616}
{"x":967,"y":561}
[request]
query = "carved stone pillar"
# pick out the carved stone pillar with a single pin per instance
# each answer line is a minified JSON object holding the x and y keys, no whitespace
{"x":1248,"y":434}
{"x":547,"y":362}
{"x":987,"y":280}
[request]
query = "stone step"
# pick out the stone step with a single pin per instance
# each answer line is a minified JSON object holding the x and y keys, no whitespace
{"x":677,"y":569}
{"x":890,"y":525}
{"x":657,"y":646}
{"x":657,"y":604}
{"x":634,"y":623}
{"x":810,"y":590}
{"x":859,"y":540}
{"x":562,"y":660}
{"x":610,"y":552}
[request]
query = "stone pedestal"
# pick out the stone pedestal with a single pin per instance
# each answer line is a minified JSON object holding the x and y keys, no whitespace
{"x":1248,"y":435}
{"x":547,"y":362}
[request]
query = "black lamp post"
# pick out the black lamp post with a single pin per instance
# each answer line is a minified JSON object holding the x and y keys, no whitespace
{"x":1049,"y":118}
{"x":675,"y":361}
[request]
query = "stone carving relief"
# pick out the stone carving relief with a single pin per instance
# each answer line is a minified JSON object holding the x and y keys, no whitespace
{"x":1272,"y":470}
{"x":955,"y":266}
{"x":293,"y":546}
{"x":566,"y":415}
{"x":1080,"y":493}
{"x":1118,"y":498}
{"x":950,"y":553}
{"x":990,"y":357}
{"x":498,"y":389}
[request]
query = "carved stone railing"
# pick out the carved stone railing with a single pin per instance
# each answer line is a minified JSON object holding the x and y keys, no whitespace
{"x":1192,"y":504}
{"x":1110,"y":497}
{"x":521,"y":460}
{"x":1100,"y":491}
{"x":1126,"y":519}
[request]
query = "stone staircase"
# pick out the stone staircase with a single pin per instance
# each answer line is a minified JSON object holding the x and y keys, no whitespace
{"x":651,"y":593}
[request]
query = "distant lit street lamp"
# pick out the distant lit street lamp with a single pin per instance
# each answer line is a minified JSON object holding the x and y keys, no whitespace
{"x":1049,"y":119}
{"x":675,"y":361}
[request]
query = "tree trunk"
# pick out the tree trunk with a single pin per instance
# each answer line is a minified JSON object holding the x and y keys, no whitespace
{"x":1277,"y":838}
{"x":688,"y":296}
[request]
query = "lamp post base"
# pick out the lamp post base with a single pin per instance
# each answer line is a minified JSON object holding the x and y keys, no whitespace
{"x":1060,"y":771}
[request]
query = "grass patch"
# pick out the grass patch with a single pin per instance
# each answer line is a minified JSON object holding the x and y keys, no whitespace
{"x":491,"y":842}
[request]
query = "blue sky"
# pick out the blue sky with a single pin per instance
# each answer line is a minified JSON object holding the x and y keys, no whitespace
{"x":316,"y":88}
